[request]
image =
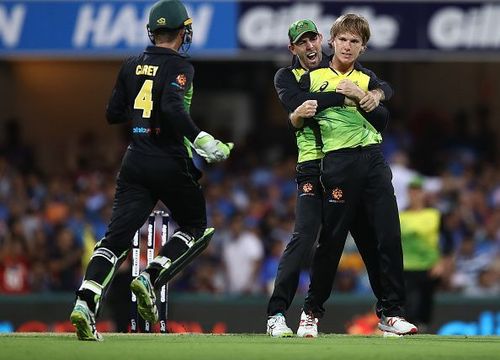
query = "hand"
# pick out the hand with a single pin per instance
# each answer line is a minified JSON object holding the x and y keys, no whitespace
{"x":349,"y":102}
{"x":210,"y":149}
{"x":307,"y":109}
{"x":350,"y":89}
{"x":442,"y":268}
{"x":370,"y":101}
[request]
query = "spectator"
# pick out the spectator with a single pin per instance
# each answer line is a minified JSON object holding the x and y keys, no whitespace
{"x":426,"y":260}
{"x":65,"y":261}
{"x":14,"y":266}
{"x":242,"y":256}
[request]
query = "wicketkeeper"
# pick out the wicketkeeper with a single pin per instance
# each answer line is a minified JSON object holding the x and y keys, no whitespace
{"x":154,"y":91}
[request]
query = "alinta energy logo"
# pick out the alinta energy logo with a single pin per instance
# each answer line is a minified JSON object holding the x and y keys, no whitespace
{"x":161,"y":21}
{"x":145,"y":131}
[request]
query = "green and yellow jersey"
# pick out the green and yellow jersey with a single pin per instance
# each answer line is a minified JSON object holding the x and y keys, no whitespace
{"x":420,"y":238}
{"x":308,"y":137}
{"x":292,"y":95}
{"x":341,"y":127}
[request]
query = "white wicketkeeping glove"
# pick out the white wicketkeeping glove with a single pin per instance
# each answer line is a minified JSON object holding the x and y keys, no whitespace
{"x":210,"y":149}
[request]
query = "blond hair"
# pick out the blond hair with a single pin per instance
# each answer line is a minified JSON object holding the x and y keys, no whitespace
{"x":351,"y":23}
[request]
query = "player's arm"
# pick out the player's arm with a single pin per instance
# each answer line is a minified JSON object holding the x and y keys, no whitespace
{"x":179,"y":80}
{"x":375,"y":84}
{"x":378,"y":117}
{"x":445,"y":264}
{"x":378,"y":90}
{"x":117,"y":110}
{"x":306,"y":110}
{"x":292,"y":95}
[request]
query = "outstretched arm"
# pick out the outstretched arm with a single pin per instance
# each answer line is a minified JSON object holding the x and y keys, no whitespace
{"x":179,"y":80}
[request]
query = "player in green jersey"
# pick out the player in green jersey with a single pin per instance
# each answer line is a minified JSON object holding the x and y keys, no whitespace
{"x":305,"y":45}
{"x":359,"y":196}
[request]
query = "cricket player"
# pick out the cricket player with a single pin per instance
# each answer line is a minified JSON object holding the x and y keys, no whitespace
{"x":305,"y":45}
{"x":154,"y":91}
{"x":358,"y":192}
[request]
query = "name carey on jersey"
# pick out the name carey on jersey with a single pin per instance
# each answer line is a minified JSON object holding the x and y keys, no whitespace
{"x":148,"y":70}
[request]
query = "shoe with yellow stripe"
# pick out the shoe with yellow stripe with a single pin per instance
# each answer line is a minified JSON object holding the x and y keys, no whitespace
{"x":83,"y":319}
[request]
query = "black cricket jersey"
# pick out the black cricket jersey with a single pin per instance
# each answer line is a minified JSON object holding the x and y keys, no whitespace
{"x":154,"y":91}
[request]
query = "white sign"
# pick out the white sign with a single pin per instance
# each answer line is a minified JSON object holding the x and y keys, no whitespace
{"x":264,"y":26}
{"x":11,"y":25}
{"x":453,"y":27}
{"x":108,"y":25}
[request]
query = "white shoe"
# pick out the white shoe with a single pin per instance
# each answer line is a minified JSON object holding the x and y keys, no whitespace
{"x":83,"y":319}
{"x":276,"y":326}
{"x":396,"y":325}
{"x":308,"y":326}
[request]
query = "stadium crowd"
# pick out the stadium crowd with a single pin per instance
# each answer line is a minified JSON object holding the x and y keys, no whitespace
{"x":49,"y":223}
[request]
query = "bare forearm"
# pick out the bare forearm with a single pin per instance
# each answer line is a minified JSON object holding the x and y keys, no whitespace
{"x":296,"y":121}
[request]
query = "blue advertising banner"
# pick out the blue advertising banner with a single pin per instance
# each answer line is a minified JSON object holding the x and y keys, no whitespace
{"x":229,"y":29}
{"x":105,"y":27}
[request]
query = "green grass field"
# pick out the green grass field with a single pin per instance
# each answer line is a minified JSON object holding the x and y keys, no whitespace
{"x":245,"y":346}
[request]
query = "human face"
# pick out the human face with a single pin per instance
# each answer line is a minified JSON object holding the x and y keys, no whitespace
{"x":308,"y":50}
{"x":347,"y":47}
{"x":416,"y":197}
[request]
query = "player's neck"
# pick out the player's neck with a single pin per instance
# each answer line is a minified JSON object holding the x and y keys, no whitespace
{"x":173,"y":45}
{"x":340,"y":67}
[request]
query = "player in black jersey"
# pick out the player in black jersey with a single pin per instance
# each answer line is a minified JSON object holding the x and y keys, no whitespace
{"x":154,"y":91}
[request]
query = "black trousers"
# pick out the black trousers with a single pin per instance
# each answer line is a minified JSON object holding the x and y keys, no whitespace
{"x":141,"y":182}
{"x":298,"y":251}
{"x":420,"y":289}
{"x":359,"y":197}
